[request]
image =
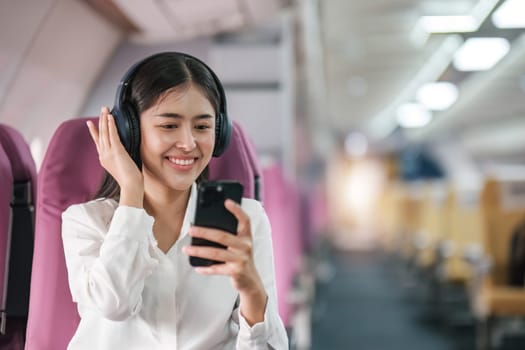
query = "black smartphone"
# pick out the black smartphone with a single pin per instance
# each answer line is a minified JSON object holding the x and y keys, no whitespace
{"x":211,"y":212}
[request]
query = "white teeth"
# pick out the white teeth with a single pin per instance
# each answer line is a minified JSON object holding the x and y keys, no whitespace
{"x":182,"y":161}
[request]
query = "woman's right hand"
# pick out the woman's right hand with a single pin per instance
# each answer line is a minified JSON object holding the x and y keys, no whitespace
{"x":115,"y":159}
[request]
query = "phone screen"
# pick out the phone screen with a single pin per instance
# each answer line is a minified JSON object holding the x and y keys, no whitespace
{"x":210,"y":212}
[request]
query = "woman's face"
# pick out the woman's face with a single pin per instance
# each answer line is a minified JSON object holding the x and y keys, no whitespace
{"x":177,"y":138}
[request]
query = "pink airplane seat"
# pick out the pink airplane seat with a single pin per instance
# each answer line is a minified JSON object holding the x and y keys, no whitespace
{"x":17,"y":245}
{"x":70,"y":173}
{"x":235,"y":163}
{"x":254,"y":164}
{"x":6,"y":191}
{"x":281,"y":204}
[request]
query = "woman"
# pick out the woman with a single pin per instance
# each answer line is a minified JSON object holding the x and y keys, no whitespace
{"x":127,"y":252}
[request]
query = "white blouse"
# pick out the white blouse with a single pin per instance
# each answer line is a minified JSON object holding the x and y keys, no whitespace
{"x":131,"y":295}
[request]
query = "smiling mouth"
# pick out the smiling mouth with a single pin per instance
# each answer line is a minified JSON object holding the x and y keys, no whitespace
{"x":183,"y":162}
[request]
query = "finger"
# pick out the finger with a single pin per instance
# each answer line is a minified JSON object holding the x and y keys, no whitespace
{"x":217,"y":254}
{"x":226,"y":239}
{"x":114,"y":139}
{"x":93,"y":132}
{"x":100,"y":119}
{"x":243,"y":228}
{"x":103,"y":129}
{"x":217,"y":269}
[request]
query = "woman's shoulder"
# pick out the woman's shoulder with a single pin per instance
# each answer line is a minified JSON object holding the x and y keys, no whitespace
{"x":252,"y":207}
{"x":101,"y":208}
{"x":255,"y":211}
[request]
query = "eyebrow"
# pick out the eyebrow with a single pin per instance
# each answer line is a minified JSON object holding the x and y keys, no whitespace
{"x":178,"y":116}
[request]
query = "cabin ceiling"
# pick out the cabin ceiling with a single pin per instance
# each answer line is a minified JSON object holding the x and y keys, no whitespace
{"x":168,"y":20}
{"x":375,"y":58}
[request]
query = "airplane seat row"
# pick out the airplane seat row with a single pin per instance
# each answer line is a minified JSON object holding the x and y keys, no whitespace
{"x":474,"y":230}
{"x":70,"y":173}
{"x":16,"y":235}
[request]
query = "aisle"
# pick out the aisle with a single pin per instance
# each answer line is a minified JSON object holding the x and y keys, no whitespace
{"x":365,"y":307}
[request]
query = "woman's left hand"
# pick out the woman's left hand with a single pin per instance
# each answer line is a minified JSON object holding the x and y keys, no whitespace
{"x":238,"y":261}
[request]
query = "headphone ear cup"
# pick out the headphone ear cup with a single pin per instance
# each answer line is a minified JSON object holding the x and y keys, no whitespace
{"x":128,"y":127}
{"x":223,"y":131}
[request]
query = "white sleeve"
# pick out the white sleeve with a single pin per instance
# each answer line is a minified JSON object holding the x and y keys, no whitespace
{"x":269,"y":334}
{"x":106,"y":270}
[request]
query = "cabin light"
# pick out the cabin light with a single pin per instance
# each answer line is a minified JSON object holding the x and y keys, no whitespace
{"x":478,"y":54}
{"x":413,"y":115}
{"x":356,"y":144}
{"x":437,"y":96}
{"x":511,"y":14}
{"x":448,"y":24}
{"x":459,"y":23}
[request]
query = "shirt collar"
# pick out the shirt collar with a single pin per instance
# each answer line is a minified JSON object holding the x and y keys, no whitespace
{"x":190,"y":211}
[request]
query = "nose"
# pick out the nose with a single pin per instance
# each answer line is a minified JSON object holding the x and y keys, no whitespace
{"x":185,"y":138}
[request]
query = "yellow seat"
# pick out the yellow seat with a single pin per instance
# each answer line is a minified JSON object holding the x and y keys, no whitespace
{"x":503,"y":207}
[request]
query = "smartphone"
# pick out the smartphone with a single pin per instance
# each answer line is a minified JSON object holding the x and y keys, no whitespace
{"x":211,"y":212}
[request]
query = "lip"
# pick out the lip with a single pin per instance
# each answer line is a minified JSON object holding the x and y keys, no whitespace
{"x":183,"y":163}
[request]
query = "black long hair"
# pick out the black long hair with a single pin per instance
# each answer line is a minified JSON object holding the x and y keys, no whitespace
{"x":151,"y":81}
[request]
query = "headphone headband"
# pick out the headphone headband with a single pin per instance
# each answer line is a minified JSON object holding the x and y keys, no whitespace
{"x":123,"y":85}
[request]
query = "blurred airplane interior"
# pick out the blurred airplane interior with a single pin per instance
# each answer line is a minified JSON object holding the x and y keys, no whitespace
{"x":384,"y":138}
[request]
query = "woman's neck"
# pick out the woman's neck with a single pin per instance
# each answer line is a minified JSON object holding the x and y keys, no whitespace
{"x":166,"y":203}
{"x":168,"y":210}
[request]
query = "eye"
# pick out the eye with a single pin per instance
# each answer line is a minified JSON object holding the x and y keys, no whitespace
{"x":202,"y":126}
{"x":169,"y":126}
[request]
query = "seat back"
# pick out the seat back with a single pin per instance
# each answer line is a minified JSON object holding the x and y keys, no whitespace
{"x":465,"y":232}
{"x":19,"y":244}
{"x":281,"y":205}
{"x":503,"y":206}
{"x":235,"y":163}
{"x":70,"y":173}
{"x":434,"y":222}
{"x":6,"y":191}
{"x":254,"y":164}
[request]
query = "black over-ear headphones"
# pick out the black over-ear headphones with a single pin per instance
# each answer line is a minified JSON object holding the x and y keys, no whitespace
{"x":127,"y":117}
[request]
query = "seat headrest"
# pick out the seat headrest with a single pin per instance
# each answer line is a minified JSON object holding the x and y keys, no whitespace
{"x":70,"y":172}
{"x":234,"y":163}
{"x":250,"y":151}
